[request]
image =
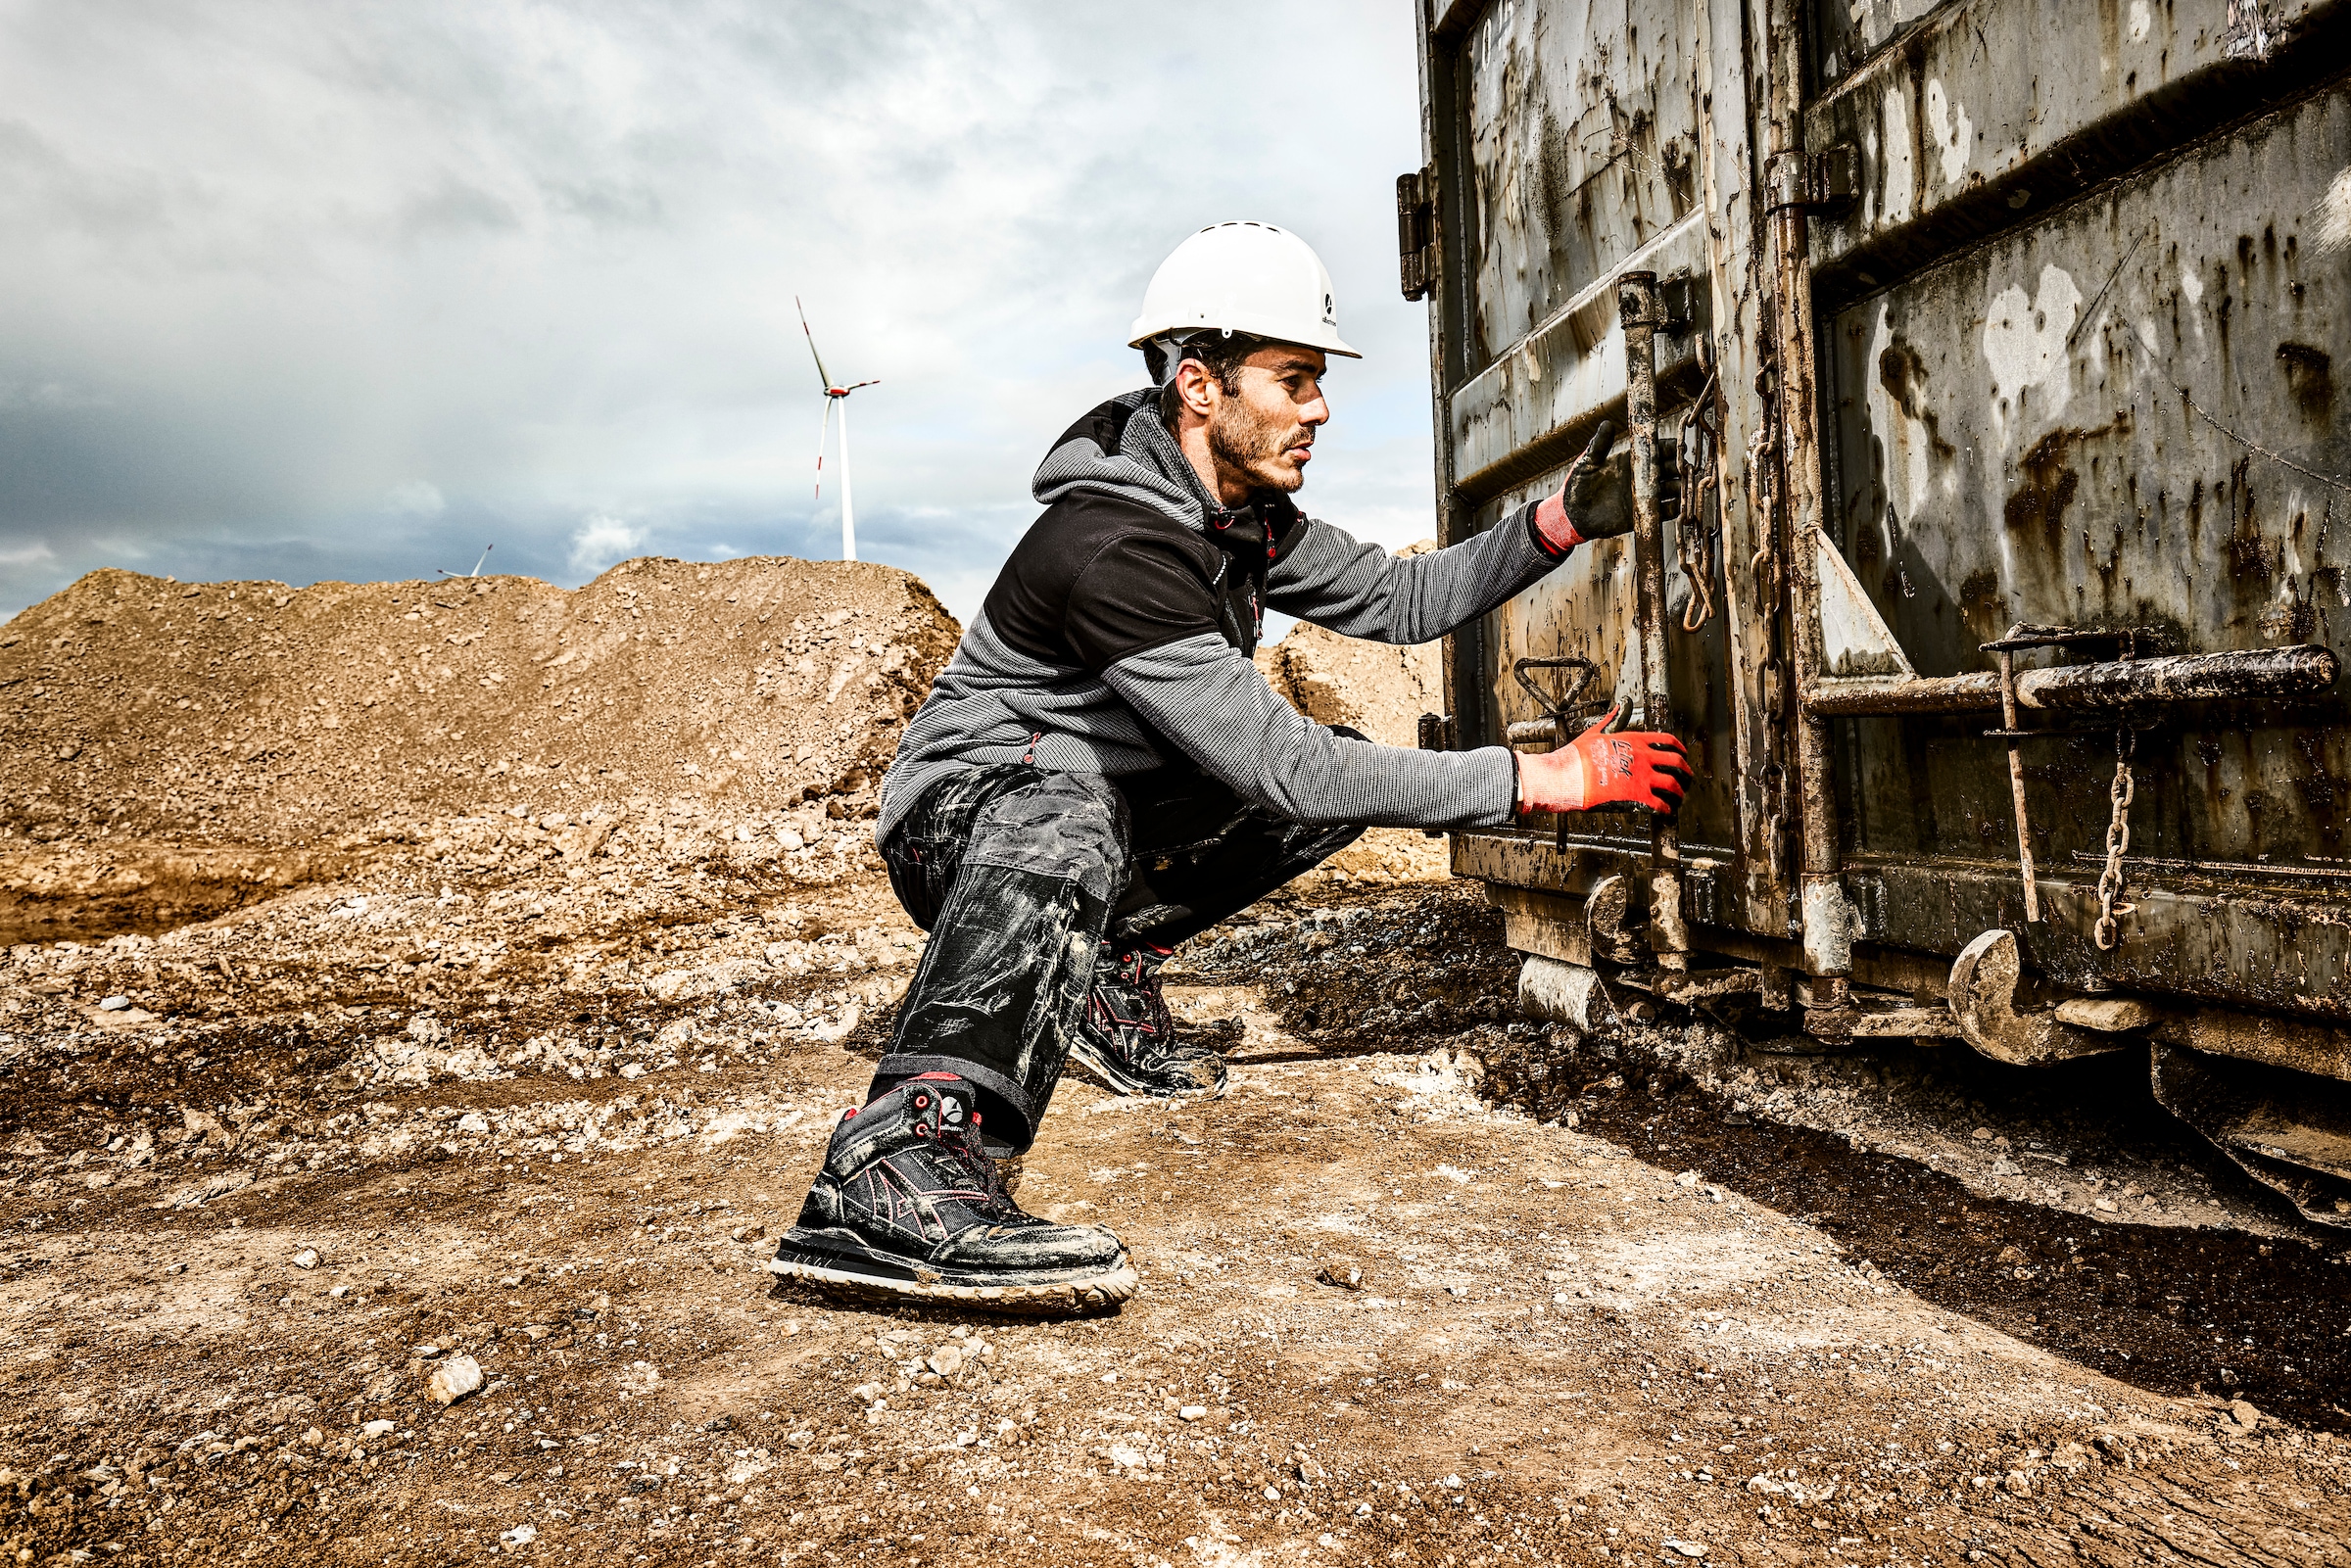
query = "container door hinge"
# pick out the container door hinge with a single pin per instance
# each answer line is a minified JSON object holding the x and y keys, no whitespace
{"x":1828,"y":185}
{"x":1416,"y":231}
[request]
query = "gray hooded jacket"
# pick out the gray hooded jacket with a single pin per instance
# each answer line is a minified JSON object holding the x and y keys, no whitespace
{"x":1116,"y":640}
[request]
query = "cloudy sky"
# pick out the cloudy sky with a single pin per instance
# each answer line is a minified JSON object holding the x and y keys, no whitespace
{"x":352,"y":290}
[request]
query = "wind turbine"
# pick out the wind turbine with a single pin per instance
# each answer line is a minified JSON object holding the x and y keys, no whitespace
{"x":833,"y":394}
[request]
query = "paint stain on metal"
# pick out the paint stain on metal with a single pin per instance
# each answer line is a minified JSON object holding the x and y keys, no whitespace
{"x":1904,"y":375}
{"x":2050,"y":480}
{"x":2309,"y":380}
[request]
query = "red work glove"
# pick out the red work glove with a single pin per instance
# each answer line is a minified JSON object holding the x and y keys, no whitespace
{"x":1642,"y":768}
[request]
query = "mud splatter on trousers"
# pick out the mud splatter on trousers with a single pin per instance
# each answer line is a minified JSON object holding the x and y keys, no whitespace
{"x":1019,"y":873}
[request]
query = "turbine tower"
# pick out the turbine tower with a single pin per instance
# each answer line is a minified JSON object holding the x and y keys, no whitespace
{"x":834,"y":395}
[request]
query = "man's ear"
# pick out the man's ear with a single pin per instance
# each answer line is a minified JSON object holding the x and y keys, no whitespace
{"x":1195,"y":389}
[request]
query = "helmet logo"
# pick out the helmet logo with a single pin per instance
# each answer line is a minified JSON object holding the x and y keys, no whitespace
{"x":1330,"y":314}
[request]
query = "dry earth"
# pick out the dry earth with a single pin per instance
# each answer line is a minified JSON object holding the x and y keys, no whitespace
{"x":1429,"y":1285}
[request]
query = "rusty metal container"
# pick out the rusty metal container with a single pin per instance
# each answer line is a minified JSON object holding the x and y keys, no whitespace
{"x":2003,"y":346}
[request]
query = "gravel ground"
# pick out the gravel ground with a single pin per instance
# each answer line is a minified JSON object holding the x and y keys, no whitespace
{"x":1428,"y":1286}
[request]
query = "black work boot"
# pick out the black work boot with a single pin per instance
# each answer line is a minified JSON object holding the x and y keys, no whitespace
{"x":909,"y":1206}
{"x":1126,"y":1041}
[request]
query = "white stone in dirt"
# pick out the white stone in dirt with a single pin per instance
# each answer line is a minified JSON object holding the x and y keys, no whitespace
{"x":454,"y":1379}
{"x":114,"y":1004}
{"x":1687,"y":1549}
{"x":867,"y":1393}
{"x":1193,"y":1412}
{"x":308,"y":1258}
{"x":946,"y":1360}
{"x":376,"y":1429}
{"x":519,"y":1536}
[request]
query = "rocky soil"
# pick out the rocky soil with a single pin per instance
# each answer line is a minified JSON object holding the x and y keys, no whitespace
{"x":409,"y":1212}
{"x":170,"y":751}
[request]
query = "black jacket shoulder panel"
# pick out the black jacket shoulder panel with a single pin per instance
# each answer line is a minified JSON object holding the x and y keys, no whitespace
{"x":1095,"y":579}
{"x":1104,"y":425}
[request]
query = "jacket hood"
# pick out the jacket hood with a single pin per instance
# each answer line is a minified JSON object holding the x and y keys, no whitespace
{"x":1120,"y":450}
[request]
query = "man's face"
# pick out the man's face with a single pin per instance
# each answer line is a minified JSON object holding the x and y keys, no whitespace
{"x":1264,"y":430}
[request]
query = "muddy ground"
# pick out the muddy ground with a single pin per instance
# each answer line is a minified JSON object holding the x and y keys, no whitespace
{"x":1429,"y":1285}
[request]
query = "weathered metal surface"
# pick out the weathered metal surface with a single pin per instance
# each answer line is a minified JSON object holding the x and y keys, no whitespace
{"x":1638,"y":319}
{"x":2076,"y":364}
{"x":1541,"y":923}
{"x":1581,"y":139}
{"x":1981,"y":998}
{"x":1563,"y":993}
{"x":1999,"y":111}
{"x":2014,"y":445}
{"x":2297,"y":674}
{"x":1904,"y":1023}
{"x":2287,"y":1131}
{"x":2291,"y":1043}
{"x":2287,"y":953}
{"x":2109,"y":1015}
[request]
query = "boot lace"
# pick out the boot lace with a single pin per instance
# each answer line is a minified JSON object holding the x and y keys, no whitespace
{"x":961,"y":1144}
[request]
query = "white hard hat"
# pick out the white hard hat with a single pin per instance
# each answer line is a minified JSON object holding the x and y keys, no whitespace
{"x":1242,"y":278}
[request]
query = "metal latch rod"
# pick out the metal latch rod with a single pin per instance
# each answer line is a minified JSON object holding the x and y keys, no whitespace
{"x":2288,"y":673}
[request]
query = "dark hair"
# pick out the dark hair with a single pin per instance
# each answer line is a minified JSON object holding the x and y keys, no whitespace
{"x":1220,"y":354}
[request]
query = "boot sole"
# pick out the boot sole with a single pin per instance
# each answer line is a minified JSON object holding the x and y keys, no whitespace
{"x":884,"y":1282}
{"x":1090,"y":1066}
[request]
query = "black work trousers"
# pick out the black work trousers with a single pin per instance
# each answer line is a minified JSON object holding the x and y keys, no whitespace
{"x":1019,"y":875}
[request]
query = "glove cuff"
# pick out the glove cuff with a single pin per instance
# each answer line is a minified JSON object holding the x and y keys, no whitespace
{"x":1551,"y":528}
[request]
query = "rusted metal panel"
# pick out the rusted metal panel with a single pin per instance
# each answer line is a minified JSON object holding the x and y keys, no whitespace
{"x":2061,"y":426}
{"x":1953,"y":107}
{"x":1582,"y":140}
{"x":2078,"y":341}
{"x":1987,"y":114}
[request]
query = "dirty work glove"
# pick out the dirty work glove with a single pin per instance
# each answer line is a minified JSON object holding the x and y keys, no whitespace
{"x":1642,"y":768}
{"x":1596,"y":499}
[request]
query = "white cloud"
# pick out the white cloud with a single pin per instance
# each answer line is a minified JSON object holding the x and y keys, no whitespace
{"x":416,"y":497}
{"x":33,"y":554}
{"x":548,"y":254}
{"x":601,"y":542}
{"x":19,"y":394}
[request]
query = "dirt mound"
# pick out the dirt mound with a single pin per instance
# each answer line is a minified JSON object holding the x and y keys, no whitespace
{"x":470,"y":717}
{"x":1381,"y":690}
{"x":253,"y":712}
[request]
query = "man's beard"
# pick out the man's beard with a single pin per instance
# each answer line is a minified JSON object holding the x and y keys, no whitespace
{"x":1245,"y":443}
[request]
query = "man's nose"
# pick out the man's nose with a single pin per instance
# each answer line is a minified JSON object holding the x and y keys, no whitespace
{"x":1316,"y":412}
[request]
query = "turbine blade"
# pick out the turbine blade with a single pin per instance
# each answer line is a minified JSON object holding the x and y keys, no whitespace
{"x":854,"y":384}
{"x":823,"y":428}
{"x":821,"y":374}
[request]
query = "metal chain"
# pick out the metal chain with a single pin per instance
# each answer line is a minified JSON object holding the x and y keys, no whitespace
{"x":2118,"y":841}
{"x":1693,"y":534}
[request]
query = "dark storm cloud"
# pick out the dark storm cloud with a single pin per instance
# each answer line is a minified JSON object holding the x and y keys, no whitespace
{"x":349,"y":291}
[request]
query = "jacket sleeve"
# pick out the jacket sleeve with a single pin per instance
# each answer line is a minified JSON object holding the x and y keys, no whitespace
{"x":1202,"y":695}
{"x":1325,"y":576}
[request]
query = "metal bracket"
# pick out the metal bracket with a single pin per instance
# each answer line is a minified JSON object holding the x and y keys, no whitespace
{"x":2124,"y":641}
{"x":1829,"y":185}
{"x":1416,"y":231}
{"x":1606,"y":909}
{"x":1982,"y":998}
